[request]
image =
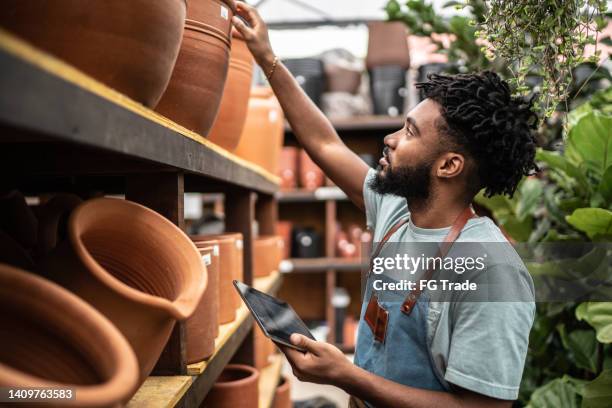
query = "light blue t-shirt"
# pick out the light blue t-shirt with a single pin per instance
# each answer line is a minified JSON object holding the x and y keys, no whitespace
{"x":479,"y":346}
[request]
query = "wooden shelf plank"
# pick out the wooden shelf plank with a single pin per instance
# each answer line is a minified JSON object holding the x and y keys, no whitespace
{"x":321,"y":265}
{"x":190,"y":390}
{"x":52,"y":100}
{"x":268,"y":381}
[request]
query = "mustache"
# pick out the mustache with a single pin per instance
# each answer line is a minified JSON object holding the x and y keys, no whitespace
{"x":385,"y":153}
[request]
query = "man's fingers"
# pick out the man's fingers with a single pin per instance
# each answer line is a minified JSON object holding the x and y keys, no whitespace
{"x":248,"y":13}
{"x":304,"y":342}
{"x":246,"y":32}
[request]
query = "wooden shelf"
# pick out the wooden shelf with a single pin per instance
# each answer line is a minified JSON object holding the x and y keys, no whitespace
{"x":365,"y":122}
{"x":268,"y":381}
{"x":320,"y":194}
{"x":190,"y":390}
{"x":74,"y":124}
{"x":320,"y":265}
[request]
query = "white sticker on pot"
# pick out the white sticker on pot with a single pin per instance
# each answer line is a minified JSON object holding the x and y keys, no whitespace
{"x":224,"y":13}
{"x":206,"y":259}
{"x":239,"y":244}
{"x":216,"y":250}
{"x":273,"y":116}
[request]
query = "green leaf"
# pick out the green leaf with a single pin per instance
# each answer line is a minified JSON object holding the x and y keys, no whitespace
{"x":560,"y":163}
{"x":592,"y":221}
{"x":530,"y":195}
{"x":598,"y":315}
{"x":591,"y":139}
{"x":582,"y":345}
{"x":558,"y":393}
{"x":598,"y":393}
{"x":605,"y":187}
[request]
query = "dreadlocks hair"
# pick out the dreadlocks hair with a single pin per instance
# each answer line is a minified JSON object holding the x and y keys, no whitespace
{"x":481,"y":118}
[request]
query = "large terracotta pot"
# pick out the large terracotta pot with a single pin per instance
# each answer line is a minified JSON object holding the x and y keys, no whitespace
{"x":52,"y":221}
{"x":262,"y":137}
{"x":288,"y":167}
{"x":203,"y":326}
{"x":194,"y":93}
{"x":263,"y":348}
{"x":267,"y":254}
{"x":135,"y":266}
{"x":236,"y":387}
{"x":230,"y":268}
{"x":282,"y":396}
{"x":51,"y":338}
{"x":129,"y":45}
{"x":311,"y":176}
{"x":228,"y":126}
{"x":387,"y":44}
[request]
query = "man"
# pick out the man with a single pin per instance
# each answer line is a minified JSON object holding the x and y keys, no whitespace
{"x":468,"y":134}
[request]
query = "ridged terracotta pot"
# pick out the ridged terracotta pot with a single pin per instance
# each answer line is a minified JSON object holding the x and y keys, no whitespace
{"x":263,"y":348}
{"x":52,"y":221}
{"x":194,"y":93}
{"x":230,"y":268}
{"x":267,"y":254}
{"x":51,"y":338}
{"x":236,"y":387}
{"x":311,"y":176}
{"x":129,"y":45}
{"x":203,"y":326}
{"x":288,"y":167}
{"x":262,"y":136}
{"x":135,"y":266}
{"x":228,"y":126}
{"x":282,"y":396}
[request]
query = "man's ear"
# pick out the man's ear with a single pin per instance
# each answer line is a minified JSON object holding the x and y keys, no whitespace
{"x":451,"y":165}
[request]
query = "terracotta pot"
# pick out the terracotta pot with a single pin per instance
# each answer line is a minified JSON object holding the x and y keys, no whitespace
{"x":387,"y":44}
{"x":203,"y":326}
{"x":230,"y":268}
{"x":283,"y":229}
{"x":311,"y":176}
{"x":228,"y":126}
{"x":17,"y":219}
{"x":129,"y":45}
{"x":262,"y":348}
{"x":282,"y":396}
{"x":52,"y":221}
{"x":194,"y":93}
{"x":52,"y":338}
{"x":262,"y":137}
{"x":236,"y":387}
{"x":267,"y":254}
{"x":14,"y":254}
{"x":136,"y":267}
{"x":341,"y":79}
{"x":288,"y":167}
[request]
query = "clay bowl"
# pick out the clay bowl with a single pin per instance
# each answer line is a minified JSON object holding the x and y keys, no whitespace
{"x":267,"y":254}
{"x":203,"y":326}
{"x":130,"y":46}
{"x":194,"y":93}
{"x":228,"y":126}
{"x":230,"y":268}
{"x":282,"y":396}
{"x":51,"y":338}
{"x":236,"y":387}
{"x":136,"y":267}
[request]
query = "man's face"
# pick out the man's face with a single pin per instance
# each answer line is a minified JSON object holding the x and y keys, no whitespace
{"x":410,"y":153}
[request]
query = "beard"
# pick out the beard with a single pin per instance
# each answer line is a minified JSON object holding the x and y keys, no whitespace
{"x":410,"y":182}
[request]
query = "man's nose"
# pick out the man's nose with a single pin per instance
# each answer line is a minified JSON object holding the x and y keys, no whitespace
{"x":391,"y":140}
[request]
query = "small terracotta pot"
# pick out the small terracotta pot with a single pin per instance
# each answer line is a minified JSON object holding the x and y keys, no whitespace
{"x":262,"y":348}
{"x":387,"y":44}
{"x":52,"y":221}
{"x":17,"y":219}
{"x":136,"y":267}
{"x":129,"y":45}
{"x":194,"y":93}
{"x":203,"y":326}
{"x":288,"y":167}
{"x":236,"y":387}
{"x":283,"y":230}
{"x":228,"y":126}
{"x":52,"y":338}
{"x":311,"y":176}
{"x":267,"y":254}
{"x":282,"y":396}
{"x":262,"y":137}
{"x":230,"y":268}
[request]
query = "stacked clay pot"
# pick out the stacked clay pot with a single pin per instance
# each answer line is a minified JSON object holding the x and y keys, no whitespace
{"x":129,"y":45}
{"x":262,"y":137}
{"x":230,"y":120}
{"x":133,"y":265}
{"x":52,"y":338}
{"x":288,"y":167}
{"x":282,"y":396}
{"x":263,"y":348}
{"x":194,"y":93}
{"x":202,"y":327}
{"x":311,"y":176}
{"x":283,"y":230}
{"x":236,"y":387}
{"x":230,"y":268}
{"x":267,"y":254}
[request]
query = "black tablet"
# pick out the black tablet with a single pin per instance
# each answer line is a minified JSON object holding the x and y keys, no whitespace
{"x":276,"y":318}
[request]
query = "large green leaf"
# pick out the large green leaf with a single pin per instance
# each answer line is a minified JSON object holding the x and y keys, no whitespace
{"x":605,"y":187}
{"x":591,"y":139}
{"x":530,"y":195}
{"x":556,"y":394}
{"x":560,"y":163}
{"x":598,"y":393}
{"x":598,"y":315}
{"x":591,"y":221}
{"x":582,"y":345}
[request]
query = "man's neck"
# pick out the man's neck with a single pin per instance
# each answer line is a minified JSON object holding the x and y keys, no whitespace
{"x":435,"y":213}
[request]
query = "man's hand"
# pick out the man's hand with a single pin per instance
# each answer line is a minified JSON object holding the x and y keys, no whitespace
{"x":323,"y":363}
{"x":255,"y":34}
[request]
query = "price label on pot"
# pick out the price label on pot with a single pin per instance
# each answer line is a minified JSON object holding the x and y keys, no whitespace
{"x":239,"y":243}
{"x":206,"y":259}
{"x":224,"y":13}
{"x":216,"y":250}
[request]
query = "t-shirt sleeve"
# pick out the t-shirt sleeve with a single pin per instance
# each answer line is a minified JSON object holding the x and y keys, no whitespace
{"x":371,"y":199}
{"x":489,"y":343}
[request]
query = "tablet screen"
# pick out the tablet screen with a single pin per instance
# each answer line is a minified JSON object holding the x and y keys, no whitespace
{"x":276,"y":316}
